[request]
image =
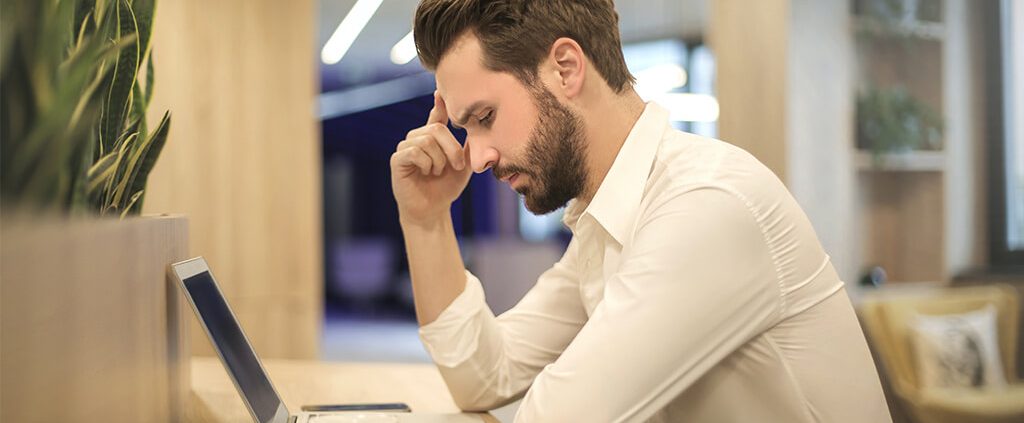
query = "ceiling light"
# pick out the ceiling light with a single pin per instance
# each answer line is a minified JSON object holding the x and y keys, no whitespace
{"x":348,"y":30}
{"x":404,"y":51}
{"x":686,"y":107}
{"x":659,"y":79}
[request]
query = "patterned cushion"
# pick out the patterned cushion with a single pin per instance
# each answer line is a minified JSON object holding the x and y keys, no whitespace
{"x":957,"y":350}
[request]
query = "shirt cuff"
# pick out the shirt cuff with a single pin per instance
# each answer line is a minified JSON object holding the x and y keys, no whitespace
{"x":453,"y":337}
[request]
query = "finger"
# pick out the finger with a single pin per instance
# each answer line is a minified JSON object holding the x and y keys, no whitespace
{"x":406,"y":143}
{"x":465,"y":154}
{"x":429,"y":146}
{"x":421,"y":159}
{"x":423,"y":130}
{"x":414,"y":157}
{"x":437,"y":157}
{"x":439,"y":114}
{"x":450,"y":145}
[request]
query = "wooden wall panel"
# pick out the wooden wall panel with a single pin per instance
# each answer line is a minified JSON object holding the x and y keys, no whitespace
{"x":243,"y":160}
{"x":903,"y":222}
{"x":750,"y":41}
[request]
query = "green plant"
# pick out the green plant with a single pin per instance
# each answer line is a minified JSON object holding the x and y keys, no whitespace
{"x":891,"y":120}
{"x":895,"y":12}
{"x":888,"y":11}
{"x":73,"y":105}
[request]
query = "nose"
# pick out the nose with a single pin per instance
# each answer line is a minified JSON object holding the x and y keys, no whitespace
{"x":481,"y":155}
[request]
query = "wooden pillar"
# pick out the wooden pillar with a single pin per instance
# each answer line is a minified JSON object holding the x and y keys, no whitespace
{"x":243,"y":160}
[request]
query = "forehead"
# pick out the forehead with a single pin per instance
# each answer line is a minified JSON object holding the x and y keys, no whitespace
{"x":463,"y":80}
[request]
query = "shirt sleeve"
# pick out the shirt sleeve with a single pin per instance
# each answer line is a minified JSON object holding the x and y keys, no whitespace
{"x":489,"y":361}
{"x":697,"y":282}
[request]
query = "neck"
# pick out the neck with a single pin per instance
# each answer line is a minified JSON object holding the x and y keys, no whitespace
{"x":609,"y":117}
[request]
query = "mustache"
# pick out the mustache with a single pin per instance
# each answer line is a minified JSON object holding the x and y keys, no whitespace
{"x":502,"y":172}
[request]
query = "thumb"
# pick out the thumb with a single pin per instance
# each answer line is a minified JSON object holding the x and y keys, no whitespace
{"x":439,"y":114}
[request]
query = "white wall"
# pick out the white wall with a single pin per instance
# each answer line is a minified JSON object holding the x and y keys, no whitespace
{"x":820,"y":126}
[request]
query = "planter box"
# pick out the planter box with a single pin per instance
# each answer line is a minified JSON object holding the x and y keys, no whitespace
{"x":91,"y":328}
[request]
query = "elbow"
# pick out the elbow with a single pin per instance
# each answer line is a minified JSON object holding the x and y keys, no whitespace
{"x":470,"y":405}
{"x":475,"y":390}
{"x":481,"y":400}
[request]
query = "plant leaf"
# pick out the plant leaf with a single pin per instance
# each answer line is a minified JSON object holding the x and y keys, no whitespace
{"x":127,"y":210}
{"x":144,"y":11}
{"x":123,"y":157}
{"x":150,"y":72}
{"x":84,"y":18}
{"x":100,"y":172}
{"x":118,"y":98}
{"x":139,"y":112}
{"x":148,"y":152}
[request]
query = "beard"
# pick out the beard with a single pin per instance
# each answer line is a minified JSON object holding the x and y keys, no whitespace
{"x":556,"y":154}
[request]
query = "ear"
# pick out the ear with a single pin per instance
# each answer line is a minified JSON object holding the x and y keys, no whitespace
{"x":570,"y":66}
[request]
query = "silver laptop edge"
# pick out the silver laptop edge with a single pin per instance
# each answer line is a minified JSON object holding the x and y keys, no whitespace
{"x":192,"y":267}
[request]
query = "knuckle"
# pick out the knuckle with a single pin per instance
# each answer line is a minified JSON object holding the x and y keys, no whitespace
{"x":409,"y":143}
{"x":431,"y":147}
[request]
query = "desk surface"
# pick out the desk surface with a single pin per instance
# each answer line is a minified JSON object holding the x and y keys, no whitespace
{"x":214,"y":398}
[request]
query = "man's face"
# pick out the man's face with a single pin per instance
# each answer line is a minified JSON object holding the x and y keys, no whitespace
{"x":523,"y":133}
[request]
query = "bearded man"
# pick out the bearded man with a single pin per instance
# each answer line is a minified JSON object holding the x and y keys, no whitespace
{"x":694,"y":288}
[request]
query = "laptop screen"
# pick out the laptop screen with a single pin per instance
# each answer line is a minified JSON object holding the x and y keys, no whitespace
{"x":238,"y":355}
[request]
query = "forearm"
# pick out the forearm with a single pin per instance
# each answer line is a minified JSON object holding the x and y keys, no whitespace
{"x":486,"y":361}
{"x":435,"y":265}
{"x":474,"y":355}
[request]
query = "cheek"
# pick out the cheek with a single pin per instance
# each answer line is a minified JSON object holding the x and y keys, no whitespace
{"x":512,"y":134}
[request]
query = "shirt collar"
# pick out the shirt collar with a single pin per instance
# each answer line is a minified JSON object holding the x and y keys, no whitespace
{"x":617,"y":200}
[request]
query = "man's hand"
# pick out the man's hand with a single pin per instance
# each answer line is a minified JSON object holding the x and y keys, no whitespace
{"x":429,"y":169}
{"x":428,"y":172}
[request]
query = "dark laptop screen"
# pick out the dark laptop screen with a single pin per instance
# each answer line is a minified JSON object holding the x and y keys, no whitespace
{"x":227,"y":337}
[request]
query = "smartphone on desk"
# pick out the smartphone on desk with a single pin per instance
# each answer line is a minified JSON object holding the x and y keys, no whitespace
{"x":395,"y":407}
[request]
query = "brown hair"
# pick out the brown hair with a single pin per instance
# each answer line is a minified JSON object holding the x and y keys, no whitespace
{"x":516,"y":34}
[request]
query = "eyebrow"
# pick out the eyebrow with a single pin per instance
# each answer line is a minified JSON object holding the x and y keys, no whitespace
{"x":461,"y":121}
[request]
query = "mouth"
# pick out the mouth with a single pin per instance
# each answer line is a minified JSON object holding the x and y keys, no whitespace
{"x":512,"y":181}
{"x":511,"y":178}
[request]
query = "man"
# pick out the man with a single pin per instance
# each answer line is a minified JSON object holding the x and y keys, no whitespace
{"x":694,"y":288}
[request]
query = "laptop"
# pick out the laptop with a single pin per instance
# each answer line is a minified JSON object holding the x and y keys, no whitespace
{"x":246,"y":370}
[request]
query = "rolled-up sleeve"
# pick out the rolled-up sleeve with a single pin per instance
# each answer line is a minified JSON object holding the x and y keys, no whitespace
{"x":489,"y":361}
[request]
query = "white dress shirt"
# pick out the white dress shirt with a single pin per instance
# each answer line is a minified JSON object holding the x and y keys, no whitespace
{"x":694,"y":289}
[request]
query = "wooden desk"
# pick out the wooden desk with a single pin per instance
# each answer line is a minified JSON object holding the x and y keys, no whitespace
{"x":214,"y":398}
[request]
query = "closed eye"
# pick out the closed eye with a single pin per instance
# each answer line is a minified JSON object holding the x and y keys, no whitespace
{"x":487,"y":119}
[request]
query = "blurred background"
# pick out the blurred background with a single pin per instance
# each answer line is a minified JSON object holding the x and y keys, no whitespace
{"x":898,"y":125}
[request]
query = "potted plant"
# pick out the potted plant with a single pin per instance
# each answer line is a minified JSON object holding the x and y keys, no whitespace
{"x":890,"y":120}
{"x":74,"y":133}
{"x":85,"y":302}
{"x":899,"y":12}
